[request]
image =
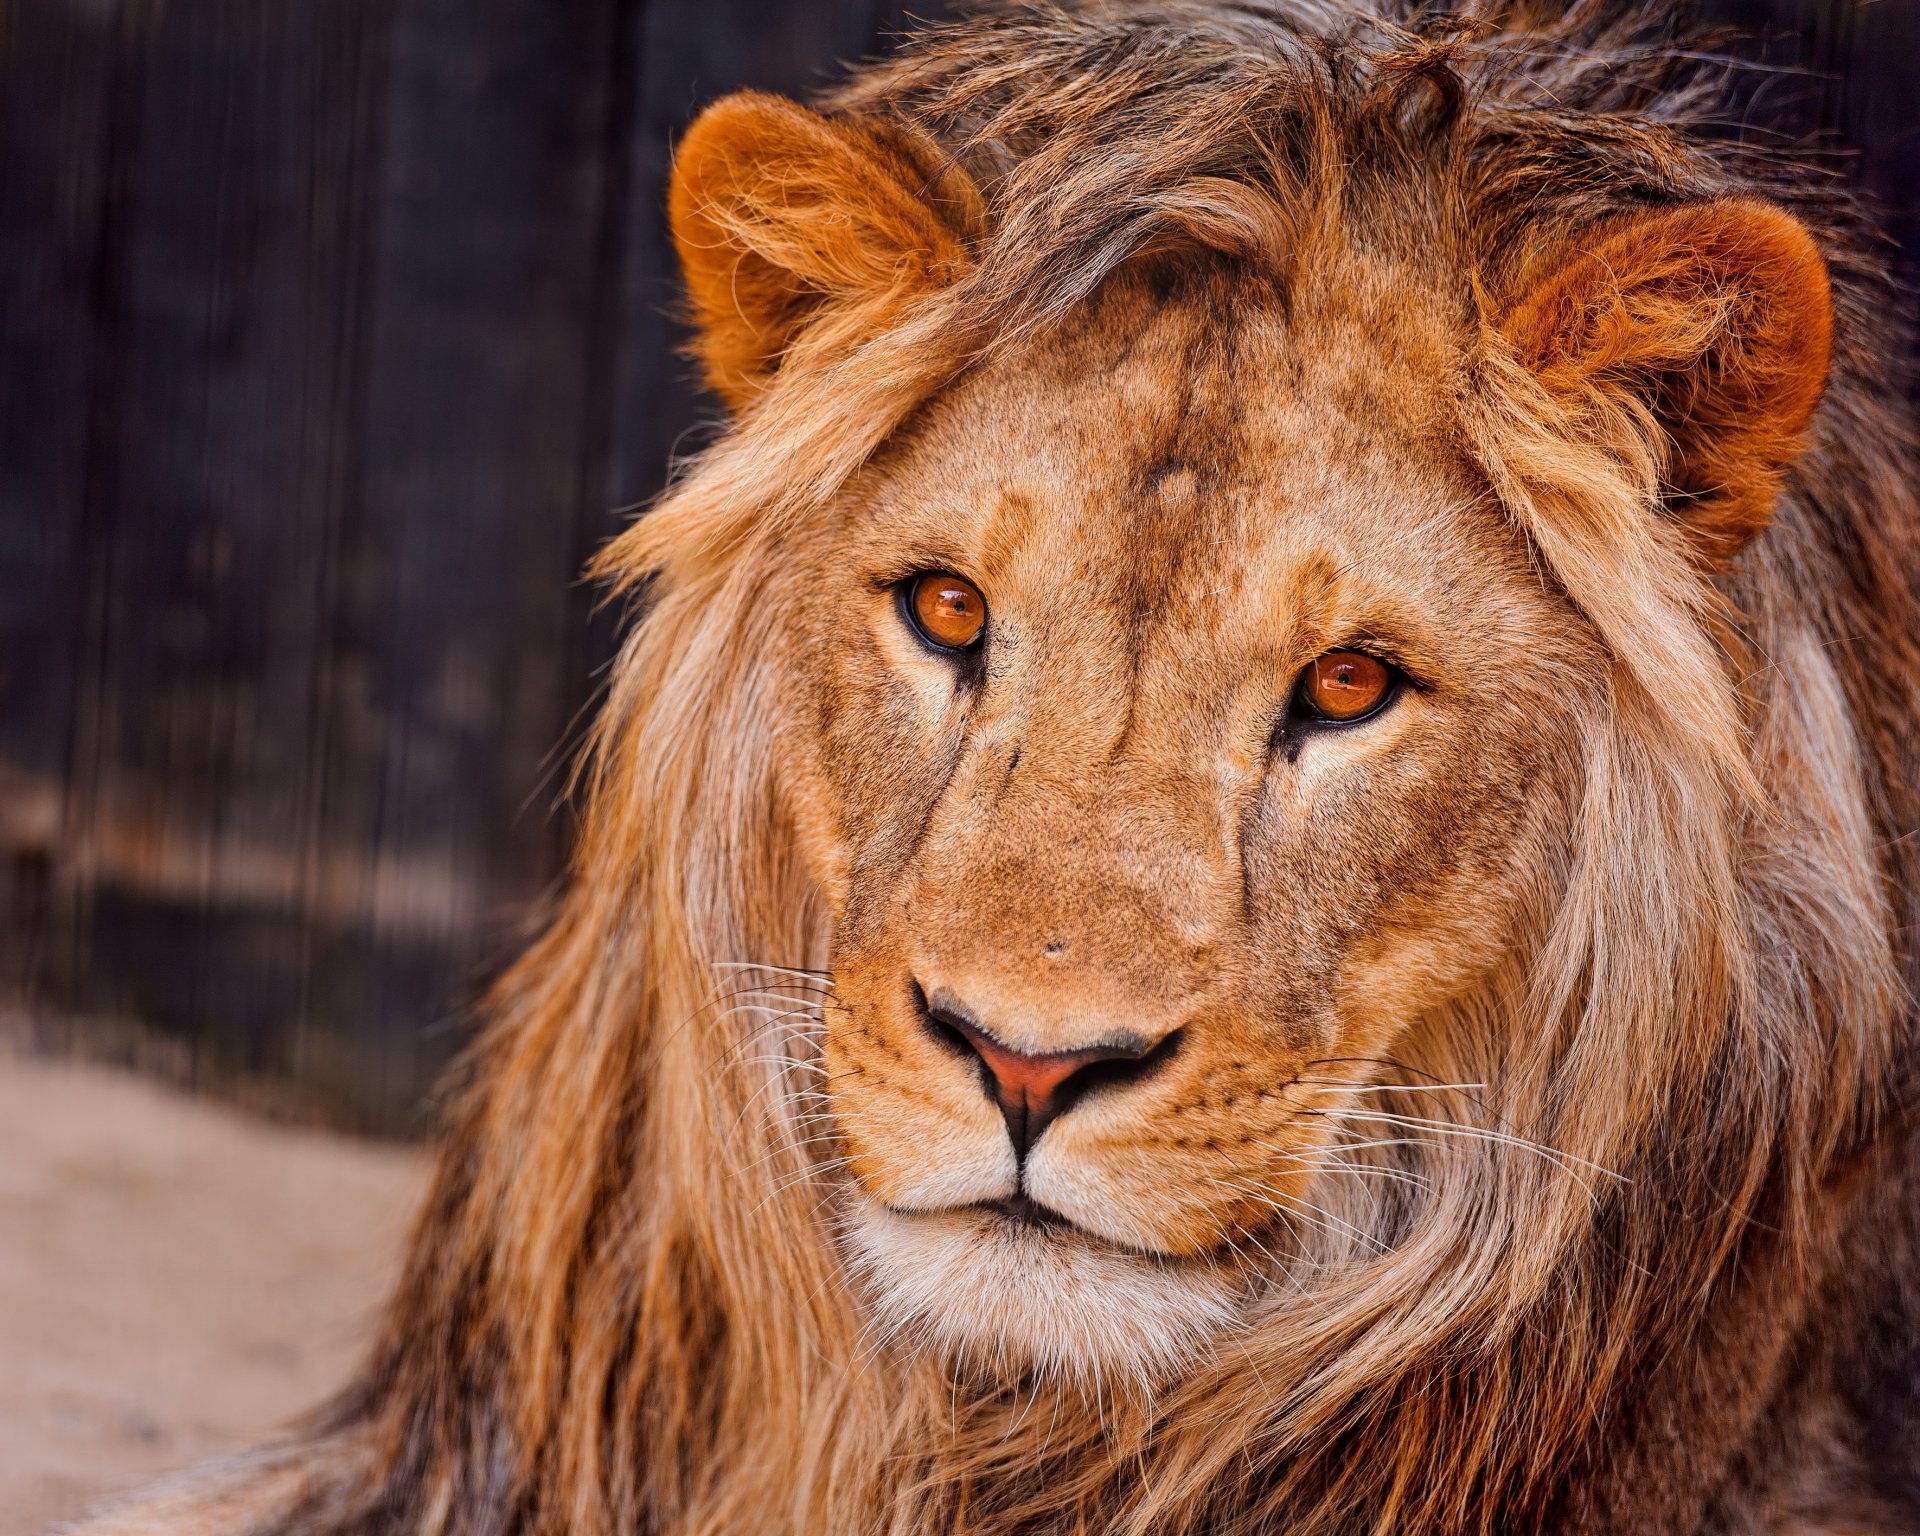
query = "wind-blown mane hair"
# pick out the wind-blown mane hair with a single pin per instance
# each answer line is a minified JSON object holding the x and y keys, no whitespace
{"x":624,"y":1309}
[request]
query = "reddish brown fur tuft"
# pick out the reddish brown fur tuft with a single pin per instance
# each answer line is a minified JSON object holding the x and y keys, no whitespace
{"x":1715,"y":318}
{"x":777,"y":212}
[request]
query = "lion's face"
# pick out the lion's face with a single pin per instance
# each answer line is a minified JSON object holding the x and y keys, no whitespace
{"x":1122,"y":921}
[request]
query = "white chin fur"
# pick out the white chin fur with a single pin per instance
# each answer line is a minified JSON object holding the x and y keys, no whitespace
{"x":984,"y":1292}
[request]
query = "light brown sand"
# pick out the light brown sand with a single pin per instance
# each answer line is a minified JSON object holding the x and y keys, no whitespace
{"x":175,"y":1278}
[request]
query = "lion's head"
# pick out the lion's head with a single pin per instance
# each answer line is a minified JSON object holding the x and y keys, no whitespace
{"x":1189,"y":713}
{"x":1242,"y":872}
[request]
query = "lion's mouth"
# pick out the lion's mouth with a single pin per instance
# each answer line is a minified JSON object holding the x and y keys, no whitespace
{"x":1014,"y":1213}
{"x":1020,"y":1217}
{"x":1023,"y":1211}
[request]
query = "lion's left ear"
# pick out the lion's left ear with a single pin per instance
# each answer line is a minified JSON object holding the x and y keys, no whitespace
{"x":1716,"y":319}
{"x":784,"y":218}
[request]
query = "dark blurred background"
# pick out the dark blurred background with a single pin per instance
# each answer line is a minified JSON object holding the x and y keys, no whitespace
{"x":334,"y":337}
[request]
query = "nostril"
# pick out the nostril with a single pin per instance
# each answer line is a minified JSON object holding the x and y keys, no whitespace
{"x":945,"y":1027}
{"x":1114,"y":1071}
{"x":947,"y":1035}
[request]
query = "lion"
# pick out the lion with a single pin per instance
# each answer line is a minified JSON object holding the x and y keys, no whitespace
{"x":1252,"y":865}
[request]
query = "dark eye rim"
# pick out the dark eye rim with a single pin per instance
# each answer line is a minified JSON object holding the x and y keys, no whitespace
{"x":903,"y":600}
{"x":1301,"y":706}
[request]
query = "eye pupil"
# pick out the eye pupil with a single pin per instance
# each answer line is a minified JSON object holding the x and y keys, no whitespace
{"x":947,"y":610}
{"x":1344,"y":685}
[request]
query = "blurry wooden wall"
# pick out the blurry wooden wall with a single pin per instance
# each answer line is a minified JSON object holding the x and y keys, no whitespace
{"x":332,"y":335}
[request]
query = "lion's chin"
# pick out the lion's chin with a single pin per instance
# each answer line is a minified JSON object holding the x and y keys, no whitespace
{"x":1015,"y":1299}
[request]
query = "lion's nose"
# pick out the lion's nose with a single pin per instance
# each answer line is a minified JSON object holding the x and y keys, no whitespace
{"x":1034,"y":1090}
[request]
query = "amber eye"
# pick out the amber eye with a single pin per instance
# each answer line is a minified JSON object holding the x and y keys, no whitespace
{"x":1345,"y":685}
{"x":947,"y":610}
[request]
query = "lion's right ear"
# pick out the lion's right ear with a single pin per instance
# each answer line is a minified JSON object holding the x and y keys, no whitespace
{"x":781,"y":215}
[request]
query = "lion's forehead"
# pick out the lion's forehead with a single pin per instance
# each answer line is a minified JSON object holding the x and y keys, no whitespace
{"x":1193,"y":478}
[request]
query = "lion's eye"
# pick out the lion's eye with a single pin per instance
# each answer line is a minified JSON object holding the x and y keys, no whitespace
{"x":946,"y":610}
{"x":1345,"y":685}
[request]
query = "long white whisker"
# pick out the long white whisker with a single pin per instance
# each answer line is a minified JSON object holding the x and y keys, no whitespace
{"x":822,"y":977}
{"x":1294,"y":1202}
{"x":1566,"y":1161}
{"x":1333,"y":1085}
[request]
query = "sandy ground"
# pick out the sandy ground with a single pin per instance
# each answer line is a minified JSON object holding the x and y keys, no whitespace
{"x":175,"y":1278}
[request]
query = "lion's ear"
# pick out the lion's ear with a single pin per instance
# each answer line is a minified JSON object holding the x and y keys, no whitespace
{"x":779,"y":214}
{"x":1714,"y":320}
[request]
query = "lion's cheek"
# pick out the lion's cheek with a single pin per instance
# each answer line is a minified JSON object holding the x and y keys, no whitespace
{"x":909,"y":1141}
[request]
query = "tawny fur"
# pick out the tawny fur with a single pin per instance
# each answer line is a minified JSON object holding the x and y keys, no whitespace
{"x":1358,"y":282}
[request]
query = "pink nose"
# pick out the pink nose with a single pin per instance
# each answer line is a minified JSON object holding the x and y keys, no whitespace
{"x":1033,"y":1090}
{"x":1034,"y":1078}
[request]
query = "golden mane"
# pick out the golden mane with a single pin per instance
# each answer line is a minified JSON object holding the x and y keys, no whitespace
{"x":623,"y":1310}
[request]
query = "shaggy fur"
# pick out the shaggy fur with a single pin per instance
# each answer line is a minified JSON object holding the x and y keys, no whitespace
{"x":1537,"y":1155}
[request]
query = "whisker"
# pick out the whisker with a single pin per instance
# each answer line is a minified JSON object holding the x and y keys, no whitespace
{"x":812,"y":1009}
{"x":1566,"y":1161}
{"x":805,"y":1176}
{"x":797,"y":1063}
{"x":823,"y":977}
{"x":1336,"y":1085}
{"x":1294,"y":1202}
{"x":1368,"y":1170}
